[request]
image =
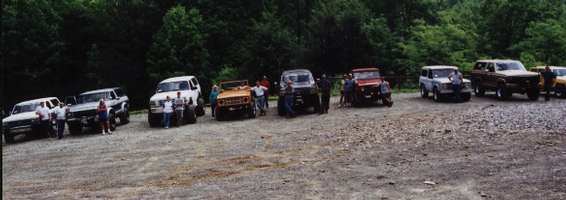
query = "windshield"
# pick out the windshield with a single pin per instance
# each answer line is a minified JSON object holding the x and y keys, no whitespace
{"x":172,"y":86}
{"x":510,"y":66}
{"x":560,"y":72}
{"x":233,"y":85}
{"x":93,"y":97}
{"x":298,"y":78}
{"x":441,"y":73}
{"x":366,"y":75}
{"x":25,"y":108}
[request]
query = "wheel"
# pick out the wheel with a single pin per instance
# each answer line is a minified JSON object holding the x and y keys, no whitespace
{"x":479,"y":91}
{"x":466,"y":96}
{"x":435,"y":95}
{"x":153,"y":122}
{"x":112,"y":122}
{"x":200,"y":107}
{"x":424,"y":93}
{"x":75,"y":129}
{"x":125,"y":117}
{"x":219,"y":115}
{"x":281,"y":106}
{"x":9,"y":138}
{"x":501,"y":93}
{"x":190,"y":115}
{"x":533,"y":94}
{"x":252,"y":111}
{"x":560,"y":91}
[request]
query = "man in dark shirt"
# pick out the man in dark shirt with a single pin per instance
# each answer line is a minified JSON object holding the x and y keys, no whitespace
{"x":325,"y":87}
{"x":548,"y":77}
{"x":349,"y":90}
{"x":289,"y":99}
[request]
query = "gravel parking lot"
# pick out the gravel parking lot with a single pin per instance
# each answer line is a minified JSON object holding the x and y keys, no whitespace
{"x":418,"y":149}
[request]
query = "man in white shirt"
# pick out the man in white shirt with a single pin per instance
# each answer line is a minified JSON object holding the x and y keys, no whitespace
{"x":456,"y":78}
{"x":60,"y":116}
{"x":43,"y":113}
{"x":259,"y":92}
{"x":167,"y":111}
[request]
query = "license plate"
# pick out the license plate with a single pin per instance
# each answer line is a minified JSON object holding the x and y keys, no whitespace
{"x":368,"y":96}
{"x":21,"y":130}
{"x":233,"y":108}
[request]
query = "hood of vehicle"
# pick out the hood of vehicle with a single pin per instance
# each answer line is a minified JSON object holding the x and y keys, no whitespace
{"x":84,"y":106}
{"x":172,"y":95}
{"x":561,"y":79}
{"x":20,"y":116}
{"x":234,"y":93}
{"x":368,"y":82}
{"x":519,"y":73}
{"x":446,"y":80}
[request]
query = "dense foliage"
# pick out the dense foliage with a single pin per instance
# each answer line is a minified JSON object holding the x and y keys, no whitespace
{"x":63,"y":47}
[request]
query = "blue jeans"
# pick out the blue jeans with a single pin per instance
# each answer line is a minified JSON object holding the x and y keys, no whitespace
{"x":457,"y":88}
{"x":260,"y":103}
{"x":213,"y":108}
{"x":60,"y":128}
{"x":289,"y":104}
{"x":166,"y":119}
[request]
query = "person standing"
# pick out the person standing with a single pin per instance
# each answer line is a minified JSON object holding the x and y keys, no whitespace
{"x":265,"y":83}
{"x":348,"y":90}
{"x":102,"y":112}
{"x":325,"y":87}
{"x":60,"y":116}
{"x":385,"y":93}
{"x":289,"y":99}
{"x":341,"y":86}
{"x":212,"y":99}
{"x":456,"y":79}
{"x":167,"y":112}
{"x":549,"y":78}
{"x":259,"y":93}
{"x":44,"y":118}
{"x":180,"y":108}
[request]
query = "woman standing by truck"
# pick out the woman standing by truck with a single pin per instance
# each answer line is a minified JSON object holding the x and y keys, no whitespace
{"x":102,"y":112}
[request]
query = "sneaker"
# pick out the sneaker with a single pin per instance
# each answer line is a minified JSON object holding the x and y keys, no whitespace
{"x":103,"y":133}
{"x":109,"y":132}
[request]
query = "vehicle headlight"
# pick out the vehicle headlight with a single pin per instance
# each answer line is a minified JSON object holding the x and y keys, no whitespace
{"x":246,"y":99}
{"x":220,"y":102}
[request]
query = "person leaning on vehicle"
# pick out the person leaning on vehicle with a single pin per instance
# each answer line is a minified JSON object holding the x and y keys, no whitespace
{"x":259,"y":94}
{"x":265,"y":83}
{"x":456,"y":78}
{"x":167,"y":111}
{"x":325,"y":86}
{"x":341,"y":86}
{"x":60,"y":116}
{"x":44,"y":118}
{"x":349,"y":90}
{"x":179,"y":108}
{"x":102,"y":112}
{"x":385,"y":92}
{"x":212,"y":98}
{"x":548,"y":77}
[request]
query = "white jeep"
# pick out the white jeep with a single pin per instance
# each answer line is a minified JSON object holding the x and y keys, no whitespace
{"x":434,"y":79}
{"x":23,"y":119}
{"x":190,"y":90}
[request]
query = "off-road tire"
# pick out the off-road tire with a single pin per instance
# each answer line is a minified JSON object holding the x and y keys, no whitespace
{"x":219,"y":115}
{"x":252,"y":112}
{"x":533,"y":94}
{"x":315,"y":100}
{"x":466,"y":97}
{"x":200,"y":107}
{"x":436,"y":95}
{"x":125,"y":117}
{"x":190,"y":115}
{"x":152,"y":121}
{"x":478,"y":90}
{"x":280,"y":106}
{"x":424,"y":93}
{"x":112,"y":122}
{"x":501,"y":93}
{"x":560,"y":91}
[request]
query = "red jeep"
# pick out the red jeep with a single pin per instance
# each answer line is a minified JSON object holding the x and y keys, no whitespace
{"x":367,"y":81}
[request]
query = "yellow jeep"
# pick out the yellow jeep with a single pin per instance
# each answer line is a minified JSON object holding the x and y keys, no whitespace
{"x":235,"y":97}
{"x":559,"y":85}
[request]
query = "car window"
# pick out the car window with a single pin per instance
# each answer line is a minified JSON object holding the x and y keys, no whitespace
{"x":490,"y":67}
{"x":423,"y":73}
{"x":48,"y":104}
{"x":480,"y":66}
{"x":429,"y":74}
{"x":194,"y":82}
{"x":112,"y":95}
{"x":54,"y":102}
{"x":119,"y":92}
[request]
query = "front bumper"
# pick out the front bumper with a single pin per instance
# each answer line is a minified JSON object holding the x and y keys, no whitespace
{"x":232,"y":108}
{"x":18,"y":129}
{"x":84,"y":120}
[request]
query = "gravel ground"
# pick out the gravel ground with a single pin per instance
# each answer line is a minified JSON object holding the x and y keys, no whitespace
{"x":418,"y":149}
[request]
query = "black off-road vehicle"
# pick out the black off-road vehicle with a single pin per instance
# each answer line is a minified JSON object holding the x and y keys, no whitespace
{"x":305,"y":91}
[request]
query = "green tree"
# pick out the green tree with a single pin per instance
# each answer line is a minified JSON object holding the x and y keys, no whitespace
{"x":178,"y":47}
{"x":545,"y":42}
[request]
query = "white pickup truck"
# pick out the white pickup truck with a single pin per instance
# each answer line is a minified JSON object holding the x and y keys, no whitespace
{"x":23,"y":119}
{"x":434,"y":79}
{"x":190,"y":90}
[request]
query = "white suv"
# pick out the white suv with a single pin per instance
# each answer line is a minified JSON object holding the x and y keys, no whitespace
{"x":435,"y":79}
{"x":190,"y":90}
{"x":23,"y":120}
